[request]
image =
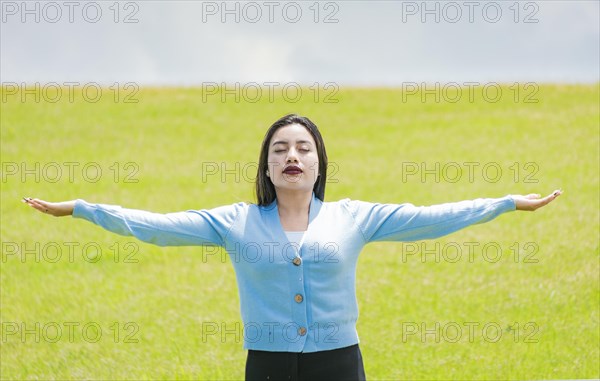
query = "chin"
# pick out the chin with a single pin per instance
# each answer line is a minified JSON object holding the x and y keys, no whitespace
{"x":292,"y":187}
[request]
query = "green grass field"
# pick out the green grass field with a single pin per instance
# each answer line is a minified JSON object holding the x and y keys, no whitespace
{"x":521,"y":302}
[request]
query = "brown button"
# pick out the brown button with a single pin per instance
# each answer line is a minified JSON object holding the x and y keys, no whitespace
{"x":298,"y":298}
{"x":297,"y":261}
{"x":301,"y":331}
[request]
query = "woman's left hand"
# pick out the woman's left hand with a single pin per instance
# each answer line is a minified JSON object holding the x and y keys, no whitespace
{"x":534,"y":201}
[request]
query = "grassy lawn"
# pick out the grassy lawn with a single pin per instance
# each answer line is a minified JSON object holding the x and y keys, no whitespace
{"x":516,"y":298}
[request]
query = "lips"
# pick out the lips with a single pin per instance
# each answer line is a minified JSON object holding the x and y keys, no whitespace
{"x":292,"y":170}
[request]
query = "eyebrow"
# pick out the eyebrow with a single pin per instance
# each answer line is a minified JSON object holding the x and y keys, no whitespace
{"x":297,"y":142}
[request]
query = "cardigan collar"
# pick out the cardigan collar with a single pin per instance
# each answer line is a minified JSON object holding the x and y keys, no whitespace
{"x":273,"y":213}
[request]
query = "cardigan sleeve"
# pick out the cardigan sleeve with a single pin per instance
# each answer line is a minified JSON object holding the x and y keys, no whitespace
{"x":406,"y":222}
{"x":187,"y":228}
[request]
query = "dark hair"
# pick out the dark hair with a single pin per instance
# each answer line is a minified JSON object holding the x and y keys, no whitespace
{"x":265,"y":190}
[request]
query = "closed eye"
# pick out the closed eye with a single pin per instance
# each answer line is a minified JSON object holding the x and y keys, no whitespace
{"x":302,"y":150}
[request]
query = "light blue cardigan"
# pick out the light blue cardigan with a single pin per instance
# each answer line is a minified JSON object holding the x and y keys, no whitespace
{"x":291,"y":304}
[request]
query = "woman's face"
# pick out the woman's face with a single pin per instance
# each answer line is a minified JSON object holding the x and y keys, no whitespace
{"x":293,"y":161}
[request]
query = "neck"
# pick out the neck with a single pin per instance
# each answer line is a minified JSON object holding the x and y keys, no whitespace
{"x":292,"y":203}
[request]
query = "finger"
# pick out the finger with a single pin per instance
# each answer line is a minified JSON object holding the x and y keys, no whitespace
{"x":548,"y":199}
{"x":37,"y":206}
{"x":533,"y":196}
{"x":27,"y":200}
{"x":31,"y":202}
{"x":44,"y":206}
{"x":40,"y":205}
{"x":34,"y":202}
{"x":553,"y":195}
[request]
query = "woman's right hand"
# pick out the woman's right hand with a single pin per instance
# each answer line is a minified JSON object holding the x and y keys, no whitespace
{"x":56,"y":209}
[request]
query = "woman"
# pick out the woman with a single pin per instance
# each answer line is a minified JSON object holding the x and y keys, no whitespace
{"x":295,"y":255}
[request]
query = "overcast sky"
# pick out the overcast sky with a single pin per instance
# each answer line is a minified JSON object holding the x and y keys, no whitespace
{"x":346,"y":42}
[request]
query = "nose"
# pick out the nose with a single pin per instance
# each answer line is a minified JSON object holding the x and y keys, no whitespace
{"x":292,"y":156}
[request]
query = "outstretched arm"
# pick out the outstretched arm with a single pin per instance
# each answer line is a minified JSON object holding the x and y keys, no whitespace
{"x":406,"y":222}
{"x":191,"y":227}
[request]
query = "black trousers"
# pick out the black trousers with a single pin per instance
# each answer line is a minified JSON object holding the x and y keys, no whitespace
{"x":343,"y":364}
